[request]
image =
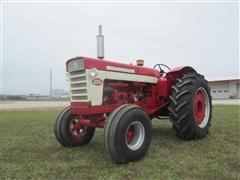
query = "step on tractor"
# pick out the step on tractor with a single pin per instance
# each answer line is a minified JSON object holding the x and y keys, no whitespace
{"x":124,"y":99}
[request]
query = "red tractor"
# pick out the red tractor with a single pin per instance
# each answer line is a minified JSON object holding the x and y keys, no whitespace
{"x":124,"y":98}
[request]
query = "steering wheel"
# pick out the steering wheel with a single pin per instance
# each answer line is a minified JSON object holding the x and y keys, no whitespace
{"x":163,"y":69}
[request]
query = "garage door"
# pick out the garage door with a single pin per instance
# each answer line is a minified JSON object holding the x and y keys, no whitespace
{"x":219,"y":90}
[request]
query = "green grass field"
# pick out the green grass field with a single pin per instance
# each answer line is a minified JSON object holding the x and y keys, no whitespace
{"x":29,"y":151}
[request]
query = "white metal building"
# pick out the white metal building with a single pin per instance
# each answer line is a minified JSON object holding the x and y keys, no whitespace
{"x":225,"y":88}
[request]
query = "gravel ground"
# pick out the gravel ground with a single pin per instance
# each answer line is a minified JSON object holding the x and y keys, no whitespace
{"x":29,"y":105}
{"x":227,"y":101}
{"x":25,"y":105}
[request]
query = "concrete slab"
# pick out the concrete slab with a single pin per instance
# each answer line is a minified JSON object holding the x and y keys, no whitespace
{"x":227,"y":101}
{"x":18,"y":105}
{"x":29,"y":105}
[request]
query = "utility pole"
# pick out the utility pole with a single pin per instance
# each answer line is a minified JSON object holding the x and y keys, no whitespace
{"x":50,"y":90}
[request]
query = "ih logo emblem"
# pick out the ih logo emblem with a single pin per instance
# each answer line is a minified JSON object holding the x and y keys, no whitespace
{"x":97,"y":81}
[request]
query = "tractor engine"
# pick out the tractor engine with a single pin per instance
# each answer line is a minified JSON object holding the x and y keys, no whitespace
{"x":125,"y":92}
{"x":99,"y":86}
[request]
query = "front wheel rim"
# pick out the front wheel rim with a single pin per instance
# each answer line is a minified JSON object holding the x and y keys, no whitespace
{"x":75,"y":129}
{"x":201,"y":107}
{"x":135,"y":135}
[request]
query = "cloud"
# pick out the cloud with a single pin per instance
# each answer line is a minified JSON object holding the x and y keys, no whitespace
{"x":40,"y":37}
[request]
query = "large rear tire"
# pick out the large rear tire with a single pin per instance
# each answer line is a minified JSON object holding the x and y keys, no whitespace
{"x":191,"y":107}
{"x":127,"y":134}
{"x":69,"y":133}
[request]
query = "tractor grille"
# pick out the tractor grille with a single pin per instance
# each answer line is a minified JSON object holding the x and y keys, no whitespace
{"x":78,"y":85}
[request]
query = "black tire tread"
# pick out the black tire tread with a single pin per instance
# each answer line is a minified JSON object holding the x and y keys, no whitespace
{"x":114,"y":149}
{"x":57,"y":125}
{"x":62,"y":136}
{"x":180,"y":106}
{"x":107,"y":131}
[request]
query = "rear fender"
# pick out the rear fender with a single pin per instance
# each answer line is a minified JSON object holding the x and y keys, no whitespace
{"x":181,"y":70}
{"x":165,"y":84}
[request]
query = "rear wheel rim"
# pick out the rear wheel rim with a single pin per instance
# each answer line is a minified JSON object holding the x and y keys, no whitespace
{"x":201,"y":107}
{"x":135,"y":135}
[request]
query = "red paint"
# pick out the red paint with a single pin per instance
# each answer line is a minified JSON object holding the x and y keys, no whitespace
{"x":153,"y":98}
{"x":164,"y":88}
{"x":87,"y":122}
{"x":130,"y":134}
{"x":81,"y":104}
{"x":79,"y":108}
{"x":199,"y":106}
{"x":181,"y":69}
{"x":101,"y":64}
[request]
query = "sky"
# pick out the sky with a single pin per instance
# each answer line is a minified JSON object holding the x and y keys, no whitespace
{"x":37,"y":37}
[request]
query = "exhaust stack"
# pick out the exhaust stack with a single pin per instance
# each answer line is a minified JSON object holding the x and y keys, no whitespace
{"x":100,"y":43}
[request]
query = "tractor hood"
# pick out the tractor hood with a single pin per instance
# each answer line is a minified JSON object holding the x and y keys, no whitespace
{"x":79,"y":63}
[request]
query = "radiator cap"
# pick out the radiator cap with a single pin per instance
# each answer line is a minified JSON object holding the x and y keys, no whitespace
{"x":140,"y":62}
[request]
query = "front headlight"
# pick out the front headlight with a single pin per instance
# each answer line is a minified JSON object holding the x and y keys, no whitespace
{"x":93,"y":72}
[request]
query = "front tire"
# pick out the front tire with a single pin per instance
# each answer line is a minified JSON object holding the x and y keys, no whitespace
{"x":191,"y":107}
{"x":68,"y":132}
{"x":127,"y":134}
